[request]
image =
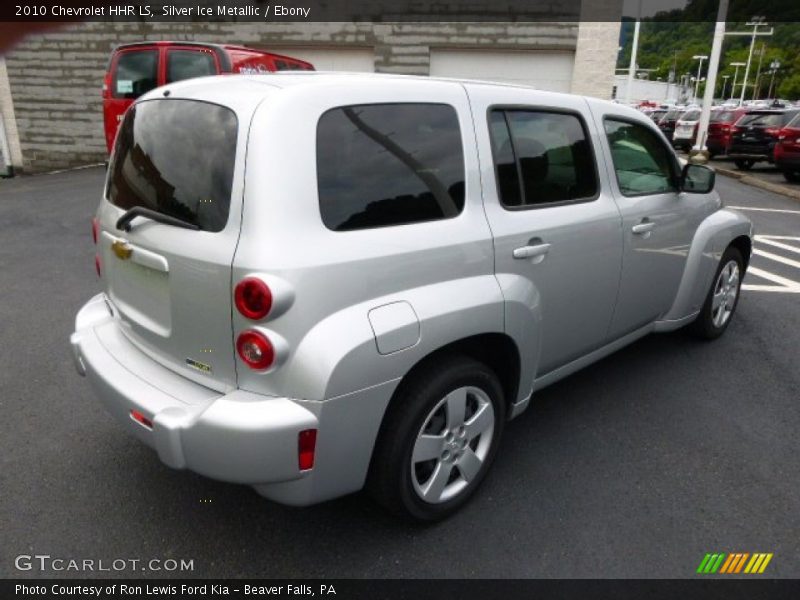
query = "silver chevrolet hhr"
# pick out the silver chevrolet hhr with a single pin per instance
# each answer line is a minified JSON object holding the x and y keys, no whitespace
{"x":317,"y":282}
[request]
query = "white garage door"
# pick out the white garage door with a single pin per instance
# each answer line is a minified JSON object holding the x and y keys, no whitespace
{"x":541,"y":69}
{"x":361,"y":60}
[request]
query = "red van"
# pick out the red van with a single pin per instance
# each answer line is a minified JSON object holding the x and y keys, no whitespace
{"x":138,"y":68}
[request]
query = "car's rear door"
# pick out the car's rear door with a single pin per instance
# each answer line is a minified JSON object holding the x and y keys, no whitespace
{"x":556,"y":229}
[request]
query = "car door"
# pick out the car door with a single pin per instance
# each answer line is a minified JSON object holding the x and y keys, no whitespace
{"x":658,"y":222}
{"x":555,"y":226}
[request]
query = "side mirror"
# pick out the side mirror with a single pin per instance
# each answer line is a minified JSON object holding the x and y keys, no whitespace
{"x":697,"y":179}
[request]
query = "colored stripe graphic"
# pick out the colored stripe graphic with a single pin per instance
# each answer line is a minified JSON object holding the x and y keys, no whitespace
{"x":734,"y":563}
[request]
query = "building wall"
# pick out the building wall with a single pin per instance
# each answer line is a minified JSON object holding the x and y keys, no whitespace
{"x":55,"y":78}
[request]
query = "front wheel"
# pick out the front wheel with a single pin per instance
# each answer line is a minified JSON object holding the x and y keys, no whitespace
{"x":723,"y":297}
{"x":439,"y":438}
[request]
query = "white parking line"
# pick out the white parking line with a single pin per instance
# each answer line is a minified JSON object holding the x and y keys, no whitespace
{"x":785,"y":285}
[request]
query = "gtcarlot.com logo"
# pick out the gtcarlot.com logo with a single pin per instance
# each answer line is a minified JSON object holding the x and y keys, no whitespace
{"x":735,"y":563}
{"x":45,"y":562}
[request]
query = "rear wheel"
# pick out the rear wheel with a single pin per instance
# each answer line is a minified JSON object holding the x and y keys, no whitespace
{"x":792,"y":176}
{"x":720,"y":304}
{"x":439,"y":438}
{"x":744,"y":164}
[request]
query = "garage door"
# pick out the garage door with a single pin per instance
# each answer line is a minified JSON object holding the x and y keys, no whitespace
{"x":361,"y":60}
{"x":541,"y":69}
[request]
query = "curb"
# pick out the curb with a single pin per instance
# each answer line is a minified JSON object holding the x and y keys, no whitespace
{"x":775,"y":188}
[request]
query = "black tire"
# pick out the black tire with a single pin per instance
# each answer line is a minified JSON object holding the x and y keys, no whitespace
{"x":704,"y":325}
{"x":393,"y":480}
{"x":791,"y":176}
{"x":744,"y":164}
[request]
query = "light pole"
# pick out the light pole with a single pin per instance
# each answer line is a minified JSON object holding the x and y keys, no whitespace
{"x":701,"y":58}
{"x":699,"y":152}
{"x":724,"y":85}
{"x":634,"y":50}
{"x":735,"y":75}
{"x":773,"y":68}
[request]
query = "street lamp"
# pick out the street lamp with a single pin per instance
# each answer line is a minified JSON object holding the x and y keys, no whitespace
{"x":773,"y":68}
{"x":735,"y":75}
{"x":724,"y":85}
{"x":701,"y":58}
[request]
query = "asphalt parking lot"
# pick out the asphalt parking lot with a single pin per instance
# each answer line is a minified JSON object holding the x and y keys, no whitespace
{"x":634,"y":467}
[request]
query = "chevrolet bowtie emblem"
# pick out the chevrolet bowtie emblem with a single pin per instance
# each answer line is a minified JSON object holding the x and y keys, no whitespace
{"x":122,"y":250}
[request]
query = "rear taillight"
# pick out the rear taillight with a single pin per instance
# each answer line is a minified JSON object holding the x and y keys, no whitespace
{"x":97,"y":266}
{"x":771,"y":131}
{"x":306,"y":447}
{"x":253,"y":298}
{"x":107,"y":86}
{"x":255,"y":349}
{"x":95,"y":229}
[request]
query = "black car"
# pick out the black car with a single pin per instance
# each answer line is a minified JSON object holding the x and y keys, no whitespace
{"x":755,"y":134}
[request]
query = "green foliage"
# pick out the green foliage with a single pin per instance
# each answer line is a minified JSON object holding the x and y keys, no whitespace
{"x":666,"y":45}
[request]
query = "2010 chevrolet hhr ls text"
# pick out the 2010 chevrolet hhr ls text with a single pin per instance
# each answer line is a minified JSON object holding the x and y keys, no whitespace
{"x":317,"y":282}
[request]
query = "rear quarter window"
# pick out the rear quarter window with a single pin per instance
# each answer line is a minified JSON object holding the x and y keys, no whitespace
{"x":176,"y":157}
{"x":186,"y":64}
{"x":136,"y":73}
{"x":389,"y":164}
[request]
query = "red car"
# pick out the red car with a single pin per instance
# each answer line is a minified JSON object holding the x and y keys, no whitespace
{"x":787,"y":150}
{"x":719,"y":129}
{"x":138,"y":68}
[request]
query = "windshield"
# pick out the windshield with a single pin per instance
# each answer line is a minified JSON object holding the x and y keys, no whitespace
{"x":176,"y":157}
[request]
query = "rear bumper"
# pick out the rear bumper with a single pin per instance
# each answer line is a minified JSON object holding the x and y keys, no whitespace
{"x":239,"y":436}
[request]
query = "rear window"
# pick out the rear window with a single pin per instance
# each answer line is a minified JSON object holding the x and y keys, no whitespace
{"x":761,"y":120}
{"x":176,"y":157}
{"x":389,"y":164}
{"x":723,"y":116}
{"x":185,"y":64}
{"x":135,"y":73}
{"x":691,"y":115}
{"x":672,"y":115}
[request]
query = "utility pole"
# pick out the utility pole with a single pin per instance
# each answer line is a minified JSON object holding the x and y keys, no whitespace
{"x":755,"y":24}
{"x":699,"y":152}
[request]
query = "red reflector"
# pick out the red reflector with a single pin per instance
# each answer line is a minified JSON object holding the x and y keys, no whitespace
{"x":95,"y":227}
{"x":306,"y":446}
{"x":97,"y":265}
{"x":255,"y":349}
{"x":253,"y":298}
{"x":140,"y":418}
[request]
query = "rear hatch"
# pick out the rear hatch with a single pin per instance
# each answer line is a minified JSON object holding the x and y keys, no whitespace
{"x":685,"y":126}
{"x":756,"y":132}
{"x":168,"y":277}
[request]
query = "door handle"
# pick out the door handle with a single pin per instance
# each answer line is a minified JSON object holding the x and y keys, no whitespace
{"x":644,"y":227}
{"x":536,"y":251}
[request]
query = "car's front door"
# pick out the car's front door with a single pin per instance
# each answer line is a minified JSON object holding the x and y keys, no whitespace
{"x":658,"y":222}
{"x":555,"y":225}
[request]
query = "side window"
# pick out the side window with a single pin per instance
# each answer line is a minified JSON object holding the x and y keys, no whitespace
{"x":541,"y":158}
{"x":281,"y":65}
{"x":185,"y":64}
{"x":135,"y":74}
{"x":643,"y":163}
{"x":389,"y":164}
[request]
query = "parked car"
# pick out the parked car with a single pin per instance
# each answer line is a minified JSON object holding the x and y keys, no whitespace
{"x":137,"y":68}
{"x":754,"y":135}
{"x":667,"y":123}
{"x":685,"y":132}
{"x":719,"y":129}
{"x":312,"y":283}
{"x":787,"y":150}
{"x":656,"y":114}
